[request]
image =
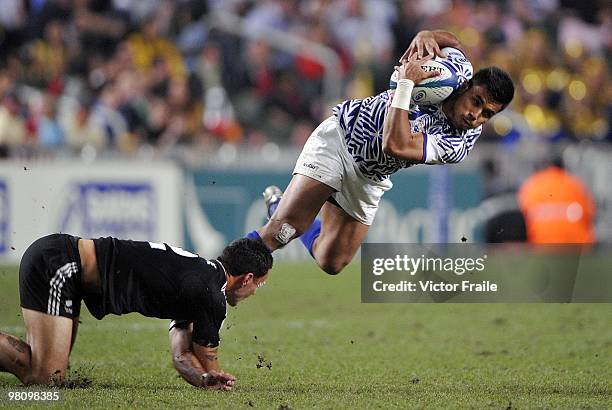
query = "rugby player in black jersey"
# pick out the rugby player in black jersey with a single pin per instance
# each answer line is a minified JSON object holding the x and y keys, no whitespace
{"x":122,"y":276}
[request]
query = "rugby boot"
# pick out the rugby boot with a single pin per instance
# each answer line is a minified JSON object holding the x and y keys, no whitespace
{"x":272,"y":196}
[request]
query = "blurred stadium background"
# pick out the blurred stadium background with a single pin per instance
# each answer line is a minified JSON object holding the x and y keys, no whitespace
{"x":164,"y":120}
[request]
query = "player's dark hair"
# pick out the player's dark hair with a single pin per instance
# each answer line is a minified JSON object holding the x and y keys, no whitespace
{"x":498,"y":83}
{"x":247,"y":255}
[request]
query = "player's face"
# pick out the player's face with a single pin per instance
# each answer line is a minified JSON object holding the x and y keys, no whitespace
{"x":473,"y":108}
{"x":245,"y":287}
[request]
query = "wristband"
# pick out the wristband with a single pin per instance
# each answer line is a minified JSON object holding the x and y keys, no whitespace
{"x":403,"y":92}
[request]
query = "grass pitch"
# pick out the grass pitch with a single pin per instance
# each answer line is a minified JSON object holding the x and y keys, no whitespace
{"x":305,"y":341}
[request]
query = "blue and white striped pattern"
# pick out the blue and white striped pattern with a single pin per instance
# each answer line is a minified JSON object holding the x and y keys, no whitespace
{"x":452,"y":146}
{"x":362,"y":122}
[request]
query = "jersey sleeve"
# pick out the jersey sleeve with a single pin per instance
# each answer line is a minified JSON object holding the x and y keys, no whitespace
{"x":205,"y":334}
{"x":179,"y":324}
{"x":208,"y":324}
{"x":439,"y":148}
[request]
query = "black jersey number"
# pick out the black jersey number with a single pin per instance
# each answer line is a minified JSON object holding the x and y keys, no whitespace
{"x":175,"y":249}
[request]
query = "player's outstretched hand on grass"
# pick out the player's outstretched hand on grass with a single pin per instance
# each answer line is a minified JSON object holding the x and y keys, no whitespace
{"x":423,"y":42}
{"x":218,"y":380}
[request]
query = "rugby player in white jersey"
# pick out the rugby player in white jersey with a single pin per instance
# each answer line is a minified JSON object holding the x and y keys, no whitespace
{"x":345,"y":165}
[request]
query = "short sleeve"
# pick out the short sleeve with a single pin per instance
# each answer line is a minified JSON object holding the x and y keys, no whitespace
{"x":208,"y":324}
{"x":448,"y":149}
{"x":205,"y":333}
{"x":179,"y":324}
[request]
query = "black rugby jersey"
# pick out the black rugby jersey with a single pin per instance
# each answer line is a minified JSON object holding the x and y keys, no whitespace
{"x":160,"y":281}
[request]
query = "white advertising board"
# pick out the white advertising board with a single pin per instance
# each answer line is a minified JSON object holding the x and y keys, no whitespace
{"x":125,"y":199}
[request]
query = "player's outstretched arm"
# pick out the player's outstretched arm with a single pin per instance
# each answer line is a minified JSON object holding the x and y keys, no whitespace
{"x":398,"y":140}
{"x":214,"y":378}
{"x":198,"y":365}
{"x":428,"y":42}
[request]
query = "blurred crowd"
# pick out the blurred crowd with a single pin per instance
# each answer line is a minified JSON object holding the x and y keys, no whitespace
{"x":119,"y":75}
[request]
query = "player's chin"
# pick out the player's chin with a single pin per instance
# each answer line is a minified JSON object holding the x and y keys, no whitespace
{"x":231,"y":300}
{"x":462,"y":126}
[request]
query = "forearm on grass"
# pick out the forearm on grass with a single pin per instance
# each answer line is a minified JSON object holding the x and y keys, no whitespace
{"x":189,"y":368}
{"x":184,"y":359}
{"x":208,"y":356}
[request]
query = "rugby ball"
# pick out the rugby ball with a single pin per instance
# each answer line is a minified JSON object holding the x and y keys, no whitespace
{"x":454,"y":71}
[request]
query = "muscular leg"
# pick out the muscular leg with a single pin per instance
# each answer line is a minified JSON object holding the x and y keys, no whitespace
{"x":14,"y":356}
{"x":340,"y":238}
{"x":301,"y":203}
{"x":341,"y":235}
{"x":50,"y":339}
{"x":44,"y":358}
{"x":75,"y":328}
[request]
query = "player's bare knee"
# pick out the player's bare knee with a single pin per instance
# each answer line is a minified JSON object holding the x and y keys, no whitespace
{"x":331,"y":265}
{"x":44,"y":377}
{"x":48,"y":375}
{"x":31,"y":379}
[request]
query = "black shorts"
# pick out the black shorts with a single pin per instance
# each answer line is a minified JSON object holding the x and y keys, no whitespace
{"x":50,"y":276}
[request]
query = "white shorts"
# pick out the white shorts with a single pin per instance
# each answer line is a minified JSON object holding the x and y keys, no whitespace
{"x":325,"y":157}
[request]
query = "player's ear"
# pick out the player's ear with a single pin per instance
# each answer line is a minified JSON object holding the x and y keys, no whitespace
{"x":247,"y":278}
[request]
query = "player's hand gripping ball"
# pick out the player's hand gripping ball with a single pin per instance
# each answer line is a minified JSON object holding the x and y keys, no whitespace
{"x":454,"y":70}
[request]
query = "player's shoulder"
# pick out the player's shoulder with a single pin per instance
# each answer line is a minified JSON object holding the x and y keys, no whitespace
{"x":376,"y":101}
{"x":213,"y":273}
{"x":429,"y":114}
{"x":469,"y":135}
{"x":424,"y":109}
{"x":212,"y":297}
{"x":473,"y":132}
{"x":203,"y":288}
{"x":432,"y":120}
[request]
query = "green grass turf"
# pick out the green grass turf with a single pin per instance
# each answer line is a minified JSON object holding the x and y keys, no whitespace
{"x":325,"y":349}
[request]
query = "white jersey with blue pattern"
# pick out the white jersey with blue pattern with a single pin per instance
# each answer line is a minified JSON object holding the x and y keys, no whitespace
{"x":362,"y":122}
